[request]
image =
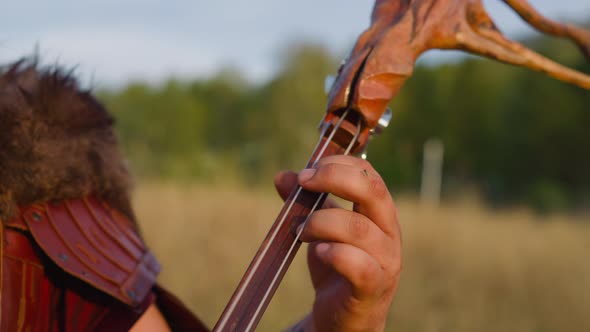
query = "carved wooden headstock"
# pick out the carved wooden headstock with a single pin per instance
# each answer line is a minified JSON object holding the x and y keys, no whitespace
{"x":401,"y":30}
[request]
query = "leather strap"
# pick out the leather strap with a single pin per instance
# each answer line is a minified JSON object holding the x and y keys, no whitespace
{"x":94,"y":244}
{"x":79,"y":266}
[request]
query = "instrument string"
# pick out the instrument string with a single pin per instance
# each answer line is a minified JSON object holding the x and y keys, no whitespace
{"x":256,"y":263}
{"x":298,"y":235}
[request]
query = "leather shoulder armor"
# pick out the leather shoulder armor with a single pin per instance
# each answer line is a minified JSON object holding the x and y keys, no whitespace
{"x":95,"y":244}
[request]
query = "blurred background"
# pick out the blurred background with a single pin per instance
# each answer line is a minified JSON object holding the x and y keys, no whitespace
{"x":490,"y":163}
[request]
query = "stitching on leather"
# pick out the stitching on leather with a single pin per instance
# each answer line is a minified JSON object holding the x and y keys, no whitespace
{"x":97,"y":238}
{"x":58,"y":232}
{"x":33,"y":283}
{"x":22,"y":305}
{"x":20,"y":260}
{"x":144,"y":268}
{"x":88,"y":281}
{"x":114,"y":220}
{"x":115,"y":216}
{"x":108,"y":232}
{"x":92,"y":242}
{"x":87,"y":253}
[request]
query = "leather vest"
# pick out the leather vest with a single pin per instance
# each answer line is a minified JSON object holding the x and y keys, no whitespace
{"x":79,"y":266}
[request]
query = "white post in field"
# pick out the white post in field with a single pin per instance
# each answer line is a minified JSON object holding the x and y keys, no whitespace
{"x":432,"y":172}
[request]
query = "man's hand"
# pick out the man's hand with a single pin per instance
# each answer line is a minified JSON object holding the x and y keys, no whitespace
{"x":354,"y":257}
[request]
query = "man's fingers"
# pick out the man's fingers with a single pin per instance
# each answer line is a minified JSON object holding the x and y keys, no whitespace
{"x":345,"y":160}
{"x":361,"y":185}
{"x":358,"y":267}
{"x":343,"y":226}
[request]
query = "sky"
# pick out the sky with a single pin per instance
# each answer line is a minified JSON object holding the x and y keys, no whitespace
{"x":112,"y":42}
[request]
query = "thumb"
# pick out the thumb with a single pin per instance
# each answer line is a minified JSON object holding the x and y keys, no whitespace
{"x":285,"y":181}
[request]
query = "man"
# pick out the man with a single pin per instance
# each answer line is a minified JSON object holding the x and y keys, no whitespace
{"x":72,"y":259}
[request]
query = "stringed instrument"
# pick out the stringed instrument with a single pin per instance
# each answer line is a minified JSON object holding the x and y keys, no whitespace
{"x":382,"y":59}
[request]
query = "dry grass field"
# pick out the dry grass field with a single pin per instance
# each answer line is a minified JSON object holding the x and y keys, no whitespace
{"x":466,"y":268}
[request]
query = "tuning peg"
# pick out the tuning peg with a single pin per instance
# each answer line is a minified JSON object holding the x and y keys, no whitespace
{"x":328,"y":83}
{"x":381,"y":125}
{"x":383,"y":122}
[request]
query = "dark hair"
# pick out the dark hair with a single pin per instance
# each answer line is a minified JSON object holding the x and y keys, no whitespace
{"x":56,"y":142}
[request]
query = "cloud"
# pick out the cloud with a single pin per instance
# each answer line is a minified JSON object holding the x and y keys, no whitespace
{"x":116,"y":41}
{"x":117,"y":55}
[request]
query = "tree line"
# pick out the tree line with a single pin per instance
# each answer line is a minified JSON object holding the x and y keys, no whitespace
{"x":513,"y":135}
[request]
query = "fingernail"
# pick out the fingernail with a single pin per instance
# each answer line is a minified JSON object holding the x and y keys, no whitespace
{"x":322,"y":249}
{"x":306,"y":174}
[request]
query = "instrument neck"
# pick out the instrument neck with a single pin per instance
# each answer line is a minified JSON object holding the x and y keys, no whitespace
{"x":340,"y":135}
